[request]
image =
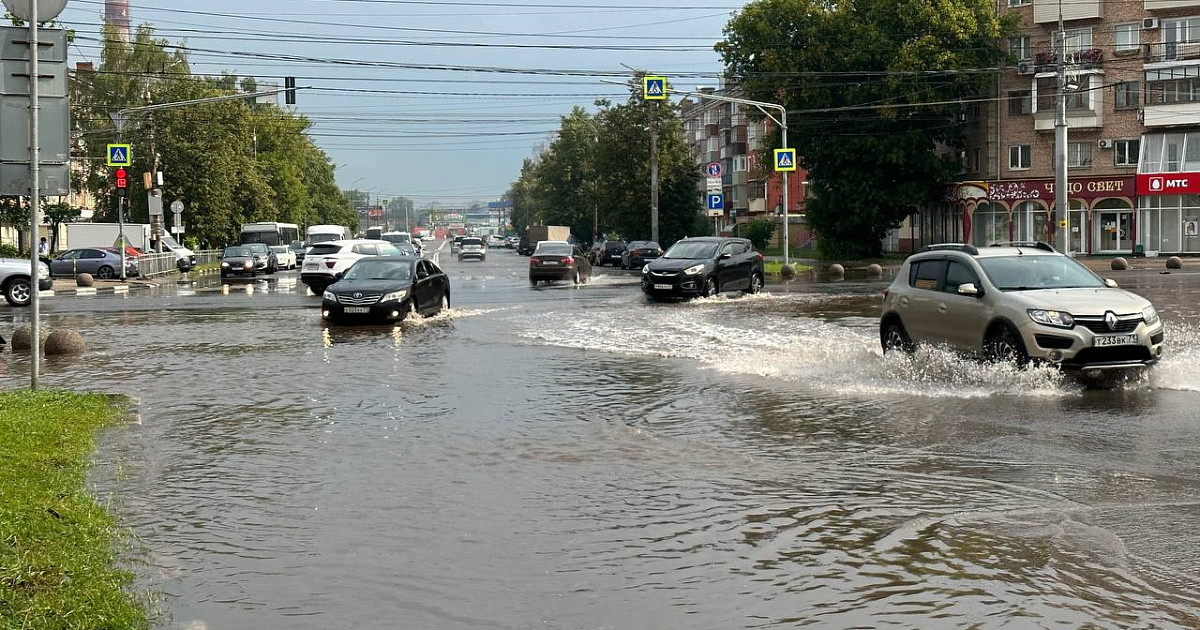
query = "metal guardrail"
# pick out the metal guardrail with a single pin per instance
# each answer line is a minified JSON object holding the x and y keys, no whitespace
{"x":157,"y":264}
{"x":207,"y":256}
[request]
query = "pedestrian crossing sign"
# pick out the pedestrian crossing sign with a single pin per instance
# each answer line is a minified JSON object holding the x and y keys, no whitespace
{"x":785,"y":160}
{"x":119,"y":155}
{"x":654,"y":88}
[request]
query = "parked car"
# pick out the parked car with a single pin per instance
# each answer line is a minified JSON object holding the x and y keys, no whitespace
{"x":99,"y":262}
{"x":455,"y":243}
{"x":558,"y":260}
{"x":638,"y":253}
{"x":702,"y":267}
{"x":238,"y":260}
{"x":15,"y":281}
{"x":325,"y":260}
{"x":493,"y":240}
{"x":264,"y":259}
{"x":299,"y":250}
{"x":472,"y":247}
{"x":1019,"y":302}
{"x":384,"y":288}
{"x":284,"y":256}
{"x":609,"y":253}
{"x":510,"y":242}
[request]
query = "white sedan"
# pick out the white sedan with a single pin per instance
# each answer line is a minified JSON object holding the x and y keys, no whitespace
{"x":285,"y":258}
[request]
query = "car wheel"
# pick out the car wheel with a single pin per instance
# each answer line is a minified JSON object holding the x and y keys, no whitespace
{"x":894,"y":337}
{"x":756,"y":284}
{"x":18,"y":292}
{"x":412,"y":311}
{"x":445,"y":301}
{"x":575,"y":277}
{"x":532,"y":282}
{"x":1005,"y":347}
{"x":710,"y":287}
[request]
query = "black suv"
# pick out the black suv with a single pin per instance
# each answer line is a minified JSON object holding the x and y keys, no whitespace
{"x":704,"y":267}
{"x":609,"y":253}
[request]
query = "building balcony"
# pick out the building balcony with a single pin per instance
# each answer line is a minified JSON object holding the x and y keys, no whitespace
{"x":1085,"y":59}
{"x":1171,"y":114}
{"x":1046,"y":11}
{"x":1168,"y":52}
{"x":1076,"y":119}
{"x":1159,"y":5}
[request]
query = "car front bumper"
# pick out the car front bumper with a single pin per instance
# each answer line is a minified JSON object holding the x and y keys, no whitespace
{"x":385,"y":312}
{"x":1079,"y":348}
{"x":677,"y":285}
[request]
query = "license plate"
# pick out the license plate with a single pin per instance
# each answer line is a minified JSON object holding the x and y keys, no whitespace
{"x":311,"y":266}
{"x":550,"y":263}
{"x":1116,"y":340}
{"x":358,"y":310}
{"x":664,"y":287}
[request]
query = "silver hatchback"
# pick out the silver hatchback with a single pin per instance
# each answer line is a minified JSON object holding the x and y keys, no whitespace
{"x":1019,"y":302}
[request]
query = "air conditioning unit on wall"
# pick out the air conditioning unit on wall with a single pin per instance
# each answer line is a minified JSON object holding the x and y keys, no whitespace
{"x":1104,"y":143}
{"x":1025,"y":67}
{"x":1149,"y":23}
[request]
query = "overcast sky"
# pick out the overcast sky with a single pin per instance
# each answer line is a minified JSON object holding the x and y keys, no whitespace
{"x":386,"y":112}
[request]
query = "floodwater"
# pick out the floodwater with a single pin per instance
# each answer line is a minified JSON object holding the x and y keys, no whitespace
{"x":565,"y":457}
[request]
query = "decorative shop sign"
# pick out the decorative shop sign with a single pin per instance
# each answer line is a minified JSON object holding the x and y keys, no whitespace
{"x":1079,"y":188}
{"x":1169,"y":184}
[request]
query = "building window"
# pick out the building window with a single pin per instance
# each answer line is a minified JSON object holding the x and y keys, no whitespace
{"x":1019,"y":48}
{"x":1127,"y":37}
{"x":1079,"y":98}
{"x":1125,"y":152}
{"x":1020,"y":103}
{"x":1018,"y":3}
{"x":714,"y":144}
{"x":1127,"y":95}
{"x":1079,"y":154}
{"x":978,"y":163}
{"x":1020,"y":156}
{"x":1078,"y":39}
{"x":1173,"y":85}
{"x":741,"y":164}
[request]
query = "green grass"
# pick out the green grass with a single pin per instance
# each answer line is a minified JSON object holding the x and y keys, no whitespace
{"x":773,"y":267}
{"x":57,"y":545}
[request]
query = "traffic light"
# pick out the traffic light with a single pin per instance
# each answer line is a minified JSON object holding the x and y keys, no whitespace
{"x":289,"y":84}
{"x":122,"y":181}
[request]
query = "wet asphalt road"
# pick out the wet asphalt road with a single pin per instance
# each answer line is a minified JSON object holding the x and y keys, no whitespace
{"x":567,"y":457}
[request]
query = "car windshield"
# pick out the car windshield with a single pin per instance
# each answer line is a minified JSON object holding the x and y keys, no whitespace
{"x":279,"y":249}
{"x":1025,"y":273}
{"x":325,"y":249}
{"x":234,"y":252}
{"x":692,"y":250}
{"x":257,"y":248}
{"x":375,"y":269}
{"x":387,"y":249}
{"x":471,"y":241}
{"x":396,"y":238}
{"x":553,"y":250}
{"x":319,"y":237}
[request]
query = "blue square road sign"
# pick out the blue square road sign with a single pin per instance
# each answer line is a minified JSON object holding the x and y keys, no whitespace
{"x":785,"y":160}
{"x":716,"y":202}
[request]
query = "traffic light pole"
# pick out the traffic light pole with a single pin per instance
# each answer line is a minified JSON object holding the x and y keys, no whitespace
{"x":35,"y":195}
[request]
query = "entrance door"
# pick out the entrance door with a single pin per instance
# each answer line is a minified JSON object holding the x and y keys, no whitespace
{"x":1076,"y":230}
{"x":1116,"y":231}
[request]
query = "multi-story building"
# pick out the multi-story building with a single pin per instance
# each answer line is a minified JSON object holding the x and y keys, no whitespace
{"x":1133,"y":116}
{"x":722,"y":132}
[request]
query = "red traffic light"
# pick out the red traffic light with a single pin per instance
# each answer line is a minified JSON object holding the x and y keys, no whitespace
{"x":120,"y":175}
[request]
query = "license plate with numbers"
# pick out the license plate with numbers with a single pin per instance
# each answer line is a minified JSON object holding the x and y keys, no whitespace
{"x":1116,"y":340}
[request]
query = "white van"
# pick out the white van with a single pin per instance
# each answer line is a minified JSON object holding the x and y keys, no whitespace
{"x":325,"y":233}
{"x":185,"y":258}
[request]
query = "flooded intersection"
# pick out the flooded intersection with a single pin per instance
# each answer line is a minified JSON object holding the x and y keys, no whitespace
{"x":566,"y":458}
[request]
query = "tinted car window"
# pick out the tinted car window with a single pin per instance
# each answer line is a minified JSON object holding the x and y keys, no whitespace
{"x":324,"y":249}
{"x":927,"y":274}
{"x":92,"y":253}
{"x":692,"y":250}
{"x":740,"y":248}
{"x":231,"y":252}
{"x":380,"y":269}
{"x":472,"y":241}
{"x":553,"y":250}
{"x":366,"y":249}
{"x":958,"y":274}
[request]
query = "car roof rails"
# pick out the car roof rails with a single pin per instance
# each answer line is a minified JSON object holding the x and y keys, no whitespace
{"x":958,"y":247}
{"x":1046,"y":247}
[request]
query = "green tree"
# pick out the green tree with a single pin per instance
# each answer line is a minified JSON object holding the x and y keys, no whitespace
{"x":759,"y":231}
{"x":833,"y":63}
{"x":55,"y":215}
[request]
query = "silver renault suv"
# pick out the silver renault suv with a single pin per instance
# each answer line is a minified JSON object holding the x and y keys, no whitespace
{"x":1019,"y":302}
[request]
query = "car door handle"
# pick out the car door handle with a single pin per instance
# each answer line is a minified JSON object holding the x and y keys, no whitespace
{"x":942,"y":307}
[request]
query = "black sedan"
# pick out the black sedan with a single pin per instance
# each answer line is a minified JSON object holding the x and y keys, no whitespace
{"x":237,"y":261}
{"x":558,"y":260}
{"x":703,"y":267}
{"x":386,"y":288}
{"x":639,"y":253}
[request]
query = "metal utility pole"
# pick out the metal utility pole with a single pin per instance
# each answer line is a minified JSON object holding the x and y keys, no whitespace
{"x":35,"y":195}
{"x":1061,"y":195}
{"x":654,"y":173}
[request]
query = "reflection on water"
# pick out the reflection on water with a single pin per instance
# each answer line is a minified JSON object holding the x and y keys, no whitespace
{"x":556,"y":462}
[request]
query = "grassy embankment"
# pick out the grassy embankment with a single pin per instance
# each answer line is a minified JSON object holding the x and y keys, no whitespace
{"x":772,"y":267}
{"x":57,"y":545}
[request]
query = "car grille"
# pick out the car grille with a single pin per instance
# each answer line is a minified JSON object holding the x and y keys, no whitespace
{"x":1053,"y":342}
{"x":1113,"y":354}
{"x":665,"y":275}
{"x":1126,"y":324}
{"x":349,"y":299}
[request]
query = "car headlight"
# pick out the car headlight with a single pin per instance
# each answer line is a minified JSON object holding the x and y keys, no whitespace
{"x":693,"y":270}
{"x":224,"y":264}
{"x":249,"y":264}
{"x":394,"y":296}
{"x":646,"y":269}
{"x":43,"y":270}
{"x":1058,"y":319}
{"x":329,"y":296}
{"x":1150,"y":316}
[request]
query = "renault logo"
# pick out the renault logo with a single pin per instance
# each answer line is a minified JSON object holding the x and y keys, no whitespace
{"x":359,"y":295}
{"x":1110,"y":318}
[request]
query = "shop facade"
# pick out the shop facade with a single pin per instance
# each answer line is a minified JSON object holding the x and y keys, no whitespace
{"x":1102,"y":217}
{"x":1168,"y":184}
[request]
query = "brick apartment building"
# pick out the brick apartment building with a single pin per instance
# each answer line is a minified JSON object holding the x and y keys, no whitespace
{"x":1133,"y":133}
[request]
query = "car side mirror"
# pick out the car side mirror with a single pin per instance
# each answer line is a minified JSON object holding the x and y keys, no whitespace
{"x":338,"y":275}
{"x":422,"y":274}
{"x":969,"y":289}
{"x":726,"y":256}
{"x":1110,"y":283}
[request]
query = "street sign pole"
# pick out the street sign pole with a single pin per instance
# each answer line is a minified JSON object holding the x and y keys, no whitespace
{"x":35,"y":194}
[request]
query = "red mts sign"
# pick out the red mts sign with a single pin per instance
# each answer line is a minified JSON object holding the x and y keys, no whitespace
{"x":1169,"y":184}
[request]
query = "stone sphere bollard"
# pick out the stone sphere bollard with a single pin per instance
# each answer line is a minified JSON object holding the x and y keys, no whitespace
{"x":1119,"y":264}
{"x":1174,"y":262}
{"x":788,"y":271}
{"x":84,"y":280}
{"x":21,"y":338}
{"x":64,"y":342}
{"x":874,"y":270}
{"x":837,"y":270}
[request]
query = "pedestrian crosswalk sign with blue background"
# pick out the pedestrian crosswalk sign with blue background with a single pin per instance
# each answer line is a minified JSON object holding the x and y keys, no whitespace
{"x":654,"y":88}
{"x":785,"y":160}
{"x":119,"y":155}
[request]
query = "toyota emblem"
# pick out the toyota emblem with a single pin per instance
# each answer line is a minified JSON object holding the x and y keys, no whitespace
{"x":359,"y":295}
{"x":1110,"y":318}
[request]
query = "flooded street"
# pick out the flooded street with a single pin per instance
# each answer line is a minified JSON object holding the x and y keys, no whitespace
{"x":565,"y":457}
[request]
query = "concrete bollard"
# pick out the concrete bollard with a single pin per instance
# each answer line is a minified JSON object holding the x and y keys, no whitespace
{"x":1174,"y":262}
{"x":788,"y":271}
{"x":874,"y":270}
{"x":84,"y":280}
{"x":837,"y":270}
{"x":21,"y":337}
{"x":1119,"y":264}
{"x":64,"y":342}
